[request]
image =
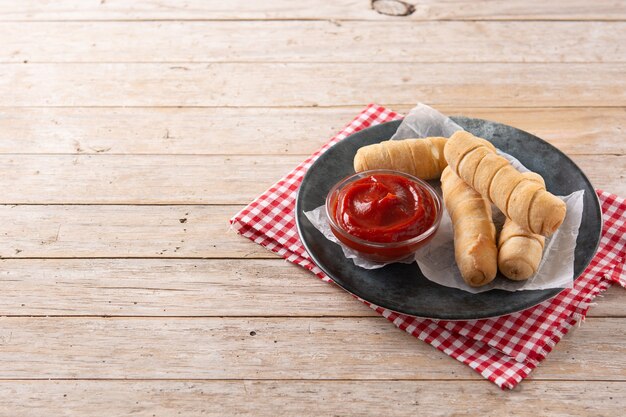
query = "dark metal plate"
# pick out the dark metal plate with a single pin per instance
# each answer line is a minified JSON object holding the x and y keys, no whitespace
{"x":402,"y":287}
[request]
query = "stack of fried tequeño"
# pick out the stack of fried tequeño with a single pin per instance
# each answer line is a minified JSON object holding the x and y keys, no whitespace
{"x":473,"y":176}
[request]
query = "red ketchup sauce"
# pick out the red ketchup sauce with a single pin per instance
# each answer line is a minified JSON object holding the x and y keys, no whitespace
{"x":386,"y":209}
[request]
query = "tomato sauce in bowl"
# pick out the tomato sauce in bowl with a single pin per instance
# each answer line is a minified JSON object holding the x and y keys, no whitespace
{"x":384,"y":215}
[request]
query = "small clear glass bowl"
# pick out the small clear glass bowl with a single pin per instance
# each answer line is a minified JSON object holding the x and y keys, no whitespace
{"x":382,"y":252}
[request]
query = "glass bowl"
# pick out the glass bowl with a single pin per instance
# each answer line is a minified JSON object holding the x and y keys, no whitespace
{"x":382,"y":252}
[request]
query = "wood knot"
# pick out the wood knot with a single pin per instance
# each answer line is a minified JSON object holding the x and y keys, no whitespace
{"x":393,"y":7}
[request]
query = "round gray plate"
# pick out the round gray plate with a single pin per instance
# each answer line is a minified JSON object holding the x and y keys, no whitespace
{"x":402,"y":287}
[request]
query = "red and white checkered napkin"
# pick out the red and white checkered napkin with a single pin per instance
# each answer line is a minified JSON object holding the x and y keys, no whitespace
{"x":504,"y":349}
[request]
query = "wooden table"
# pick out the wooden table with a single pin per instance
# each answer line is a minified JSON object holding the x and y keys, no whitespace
{"x":130,"y":132}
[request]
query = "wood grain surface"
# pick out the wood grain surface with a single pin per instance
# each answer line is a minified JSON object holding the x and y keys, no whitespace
{"x":130,"y":132}
{"x":312,"y":84}
{"x":321,"y":397}
{"x":189,"y":179}
{"x":29,"y":10}
{"x":269,"y":348}
{"x":268,"y":131}
{"x":314,"y":41}
{"x":229,"y":286}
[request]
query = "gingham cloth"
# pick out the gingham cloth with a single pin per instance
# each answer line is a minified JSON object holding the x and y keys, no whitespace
{"x":504,"y":349}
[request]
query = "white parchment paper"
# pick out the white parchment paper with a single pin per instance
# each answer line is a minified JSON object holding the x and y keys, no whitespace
{"x":436,"y":260}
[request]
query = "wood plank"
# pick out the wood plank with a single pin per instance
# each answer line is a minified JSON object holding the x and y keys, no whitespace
{"x":252,"y":84}
{"x":140,"y":179}
{"x":267,"y":130}
{"x":608,"y":302}
{"x":123,"y":231}
{"x":310,"y":398}
{"x":308,"y":9}
{"x":318,"y":41}
{"x":170,"y":287}
{"x":186,"y":179}
{"x":182,"y":287}
{"x":269,"y":348}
